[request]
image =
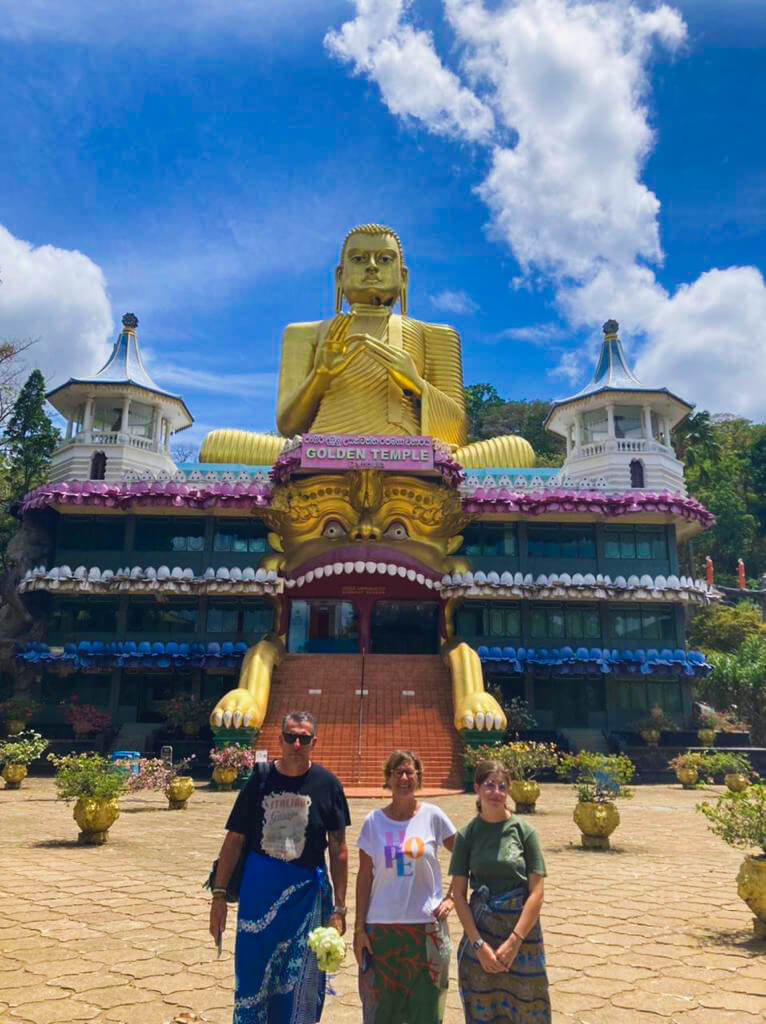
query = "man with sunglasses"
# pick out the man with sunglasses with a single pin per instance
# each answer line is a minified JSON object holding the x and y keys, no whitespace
{"x":288,"y":814}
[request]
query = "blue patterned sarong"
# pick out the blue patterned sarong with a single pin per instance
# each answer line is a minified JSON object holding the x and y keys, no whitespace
{"x":520,"y":994}
{"x":277,"y":980}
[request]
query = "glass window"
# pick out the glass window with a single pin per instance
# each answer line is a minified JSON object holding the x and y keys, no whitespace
{"x":595,"y":426}
{"x":539,"y":625}
{"x":627,"y":545}
{"x":628,"y":421}
{"x":636,"y":543}
{"x":251,"y":618}
{"x":169,"y":534}
{"x":222,"y":618}
{"x":555,"y":623}
{"x":574,"y":621}
{"x":239,"y":536}
{"x":323,"y":627}
{"x":140,"y":419}
{"x":496,"y":622}
{"x":214,"y":686}
{"x":107,"y":417}
{"x":85,"y":533}
{"x":512,"y":622}
{"x":489,"y":539}
{"x":469,"y":620}
{"x":591,"y":624}
{"x":561,"y":541}
{"x":162,"y":619}
{"x":642,"y":627}
{"x":78,"y":618}
{"x":657,"y":431}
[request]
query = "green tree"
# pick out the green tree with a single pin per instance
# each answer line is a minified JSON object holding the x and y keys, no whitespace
{"x":695,"y":440}
{"x":477,"y":398}
{"x":29,"y":439}
{"x":491,"y":417}
{"x":739,"y":680}
{"x":724,"y":628}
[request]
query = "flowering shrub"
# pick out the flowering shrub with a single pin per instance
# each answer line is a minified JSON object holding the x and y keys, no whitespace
{"x":517,"y":711}
{"x":154,"y":773}
{"x":739,"y":818}
{"x":239,"y":759}
{"x":523,"y":759}
{"x":22,"y":748}
{"x":86,"y":775}
{"x":695,"y":761}
{"x":19,"y":709}
{"x":184,"y":711}
{"x":598,"y":778}
{"x":85,"y":718}
{"x":724,"y":762}
{"x":329,"y":947}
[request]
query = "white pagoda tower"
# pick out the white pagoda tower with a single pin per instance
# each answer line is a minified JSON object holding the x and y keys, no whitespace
{"x":119,"y":422}
{"x":617,"y":430}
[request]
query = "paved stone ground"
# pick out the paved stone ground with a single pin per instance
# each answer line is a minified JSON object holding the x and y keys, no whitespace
{"x":651,"y":932}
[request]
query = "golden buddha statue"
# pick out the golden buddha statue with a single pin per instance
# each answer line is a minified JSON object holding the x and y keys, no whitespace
{"x":369,"y":371}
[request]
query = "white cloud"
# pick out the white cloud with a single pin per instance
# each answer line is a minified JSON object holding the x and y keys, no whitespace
{"x":568,"y":80}
{"x":412,"y":79}
{"x":454,"y":302}
{"x":59,"y":297}
{"x":534,"y":334}
{"x":180,"y":379}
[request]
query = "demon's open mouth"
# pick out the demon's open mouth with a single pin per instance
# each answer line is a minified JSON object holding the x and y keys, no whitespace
{"x":364,"y":558}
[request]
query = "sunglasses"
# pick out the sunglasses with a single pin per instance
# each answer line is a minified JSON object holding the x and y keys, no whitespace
{"x":302,"y":738}
{"x":492,"y":787}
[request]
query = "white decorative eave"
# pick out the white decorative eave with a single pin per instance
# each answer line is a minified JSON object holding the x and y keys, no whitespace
{"x":161,"y":580}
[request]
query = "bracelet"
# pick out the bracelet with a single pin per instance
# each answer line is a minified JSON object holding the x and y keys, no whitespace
{"x":339,"y":910}
{"x":519,"y":937}
{"x":219,"y":891}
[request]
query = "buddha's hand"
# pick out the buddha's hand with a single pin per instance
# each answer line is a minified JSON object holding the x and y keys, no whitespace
{"x":237,"y":709}
{"x":399,"y":363}
{"x":480,"y":711}
{"x":334,"y":354}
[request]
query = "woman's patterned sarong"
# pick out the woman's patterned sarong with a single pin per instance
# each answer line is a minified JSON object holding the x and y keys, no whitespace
{"x":520,"y":994}
{"x":277,"y":980}
{"x":407,"y":977}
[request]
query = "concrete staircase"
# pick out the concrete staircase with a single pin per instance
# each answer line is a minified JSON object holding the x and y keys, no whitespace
{"x":135,"y":736}
{"x":407,"y":703}
{"x":586,"y":739}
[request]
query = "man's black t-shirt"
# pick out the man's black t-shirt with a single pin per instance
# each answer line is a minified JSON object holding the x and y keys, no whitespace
{"x":289,"y":816}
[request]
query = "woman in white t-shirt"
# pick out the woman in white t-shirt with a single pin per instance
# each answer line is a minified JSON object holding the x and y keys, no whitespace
{"x":401,"y":940}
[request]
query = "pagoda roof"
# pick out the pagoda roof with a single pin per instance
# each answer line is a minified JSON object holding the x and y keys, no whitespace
{"x":124,"y":367}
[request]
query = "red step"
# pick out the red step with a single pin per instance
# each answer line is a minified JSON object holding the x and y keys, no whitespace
{"x":357,"y":732}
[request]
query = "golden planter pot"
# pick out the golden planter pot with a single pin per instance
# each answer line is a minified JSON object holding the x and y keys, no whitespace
{"x":14,"y":774}
{"x":596,"y":821}
{"x":706,"y":737}
{"x":179,"y":791}
{"x":525,"y":793}
{"x":224,"y":778}
{"x":650,"y":736}
{"x":14,"y":725}
{"x":95,"y":815}
{"x":687,"y":777}
{"x":751,"y":887}
{"x":736,"y":782}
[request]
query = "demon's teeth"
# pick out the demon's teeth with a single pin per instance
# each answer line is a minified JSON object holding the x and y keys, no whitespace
{"x":310,"y":576}
{"x":391,"y":570}
{"x":401,"y":571}
{"x":301,"y":580}
{"x":359,"y":566}
{"x":419,"y":577}
{"x":371,"y":566}
{"x":382,"y":568}
{"x":318,"y":572}
{"x":348,"y":566}
{"x":337,"y":568}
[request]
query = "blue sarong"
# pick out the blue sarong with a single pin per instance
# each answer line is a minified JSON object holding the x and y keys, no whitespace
{"x":277,"y":980}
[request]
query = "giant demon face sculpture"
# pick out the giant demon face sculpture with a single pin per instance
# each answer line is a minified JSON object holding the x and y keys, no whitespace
{"x":366,"y":516}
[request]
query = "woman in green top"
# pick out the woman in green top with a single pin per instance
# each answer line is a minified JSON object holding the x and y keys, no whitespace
{"x":501,"y":959}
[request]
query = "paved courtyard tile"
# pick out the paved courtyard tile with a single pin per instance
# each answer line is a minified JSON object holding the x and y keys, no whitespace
{"x":650,"y":932}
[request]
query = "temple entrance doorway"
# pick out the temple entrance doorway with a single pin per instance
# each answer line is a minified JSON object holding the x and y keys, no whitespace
{"x":323,"y":626}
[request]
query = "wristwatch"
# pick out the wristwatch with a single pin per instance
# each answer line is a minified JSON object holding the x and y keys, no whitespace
{"x":341,"y":911}
{"x":477,"y":944}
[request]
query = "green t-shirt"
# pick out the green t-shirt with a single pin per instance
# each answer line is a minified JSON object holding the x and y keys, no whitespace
{"x":501,"y":855}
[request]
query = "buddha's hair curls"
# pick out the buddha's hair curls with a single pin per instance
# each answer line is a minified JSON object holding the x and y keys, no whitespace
{"x":372,"y":229}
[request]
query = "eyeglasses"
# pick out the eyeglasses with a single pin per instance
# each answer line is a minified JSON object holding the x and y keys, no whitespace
{"x":492,"y":787}
{"x":301,"y":737}
{"x":400,"y":772}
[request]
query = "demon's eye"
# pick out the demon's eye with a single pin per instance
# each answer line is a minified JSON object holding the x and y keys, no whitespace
{"x":397,"y":531}
{"x":333,"y":529}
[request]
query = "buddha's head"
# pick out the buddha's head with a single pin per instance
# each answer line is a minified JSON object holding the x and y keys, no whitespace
{"x":324,"y":523}
{"x":371,"y":268}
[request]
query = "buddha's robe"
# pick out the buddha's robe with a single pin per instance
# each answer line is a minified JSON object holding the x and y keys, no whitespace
{"x":364,"y":399}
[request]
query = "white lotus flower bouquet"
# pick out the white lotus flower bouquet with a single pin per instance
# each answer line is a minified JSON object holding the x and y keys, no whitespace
{"x":329,"y":947}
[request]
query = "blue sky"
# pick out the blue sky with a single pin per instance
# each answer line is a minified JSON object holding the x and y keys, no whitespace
{"x":548,"y":163}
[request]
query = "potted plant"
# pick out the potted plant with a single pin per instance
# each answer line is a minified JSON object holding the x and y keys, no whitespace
{"x":651,"y":726}
{"x":708,"y":726}
{"x":735,"y":768}
{"x":16,"y":753}
{"x":85,"y":719}
{"x":155,"y":773}
{"x":229,"y":762}
{"x":91,"y":780}
{"x":185,"y":714}
{"x":740,"y":820}
{"x":525,"y":761}
{"x":689,"y":766}
{"x":517,"y":711}
{"x":471,"y":757}
{"x":599,"y":779}
{"x":16,"y":712}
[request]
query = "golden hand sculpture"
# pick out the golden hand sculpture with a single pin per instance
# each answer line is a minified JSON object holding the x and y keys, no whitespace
{"x":369,"y":371}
